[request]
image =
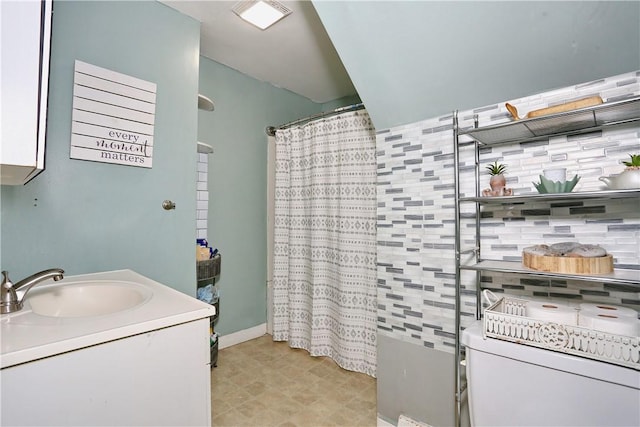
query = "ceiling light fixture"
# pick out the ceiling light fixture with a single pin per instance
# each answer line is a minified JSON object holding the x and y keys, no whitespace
{"x":262,"y":14}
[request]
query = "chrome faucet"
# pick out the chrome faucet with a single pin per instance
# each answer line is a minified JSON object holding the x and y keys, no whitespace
{"x":12,"y":295}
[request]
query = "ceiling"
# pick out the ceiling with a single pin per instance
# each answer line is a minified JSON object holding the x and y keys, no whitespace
{"x":295,"y":53}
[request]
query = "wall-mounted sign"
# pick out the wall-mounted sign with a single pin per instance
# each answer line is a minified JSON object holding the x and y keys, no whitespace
{"x":113,"y":117}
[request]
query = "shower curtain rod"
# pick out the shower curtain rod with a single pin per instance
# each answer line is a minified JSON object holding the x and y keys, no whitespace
{"x":271,"y":130}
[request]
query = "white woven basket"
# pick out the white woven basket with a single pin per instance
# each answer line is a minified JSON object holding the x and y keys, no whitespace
{"x":505,"y":319}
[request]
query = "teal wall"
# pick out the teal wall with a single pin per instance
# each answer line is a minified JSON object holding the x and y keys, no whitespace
{"x":84,"y":216}
{"x":87,"y":217}
{"x":412,"y":60}
{"x":237,"y":223}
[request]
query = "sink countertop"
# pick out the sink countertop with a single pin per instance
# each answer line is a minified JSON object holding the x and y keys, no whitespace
{"x":26,"y":336}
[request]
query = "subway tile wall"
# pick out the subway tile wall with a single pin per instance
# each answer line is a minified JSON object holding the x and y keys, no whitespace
{"x":202,"y":195}
{"x":416,"y":226}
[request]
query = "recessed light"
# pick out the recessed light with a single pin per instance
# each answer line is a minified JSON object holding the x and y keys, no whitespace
{"x":262,"y":13}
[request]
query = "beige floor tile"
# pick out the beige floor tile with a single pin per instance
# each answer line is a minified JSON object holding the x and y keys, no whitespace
{"x":339,"y":418}
{"x":234,"y":398}
{"x":369,"y":420}
{"x":266,"y":383}
{"x":268,"y":418}
{"x":252,"y":408}
{"x":306,"y":397}
{"x":368,"y":393}
{"x":219,"y":407}
{"x":256,"y":388}
{"x":361,"y":406}
{"x":341,"y":395}
{"x":308,"y":418}
{"x":230,"y":418}
{"x":244,"y":379}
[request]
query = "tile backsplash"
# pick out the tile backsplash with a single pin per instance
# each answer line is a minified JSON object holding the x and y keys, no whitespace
{"x":416,"y":226}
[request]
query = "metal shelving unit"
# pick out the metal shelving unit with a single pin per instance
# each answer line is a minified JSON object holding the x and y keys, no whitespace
{"x":618,"y":277}
{"x":574,"y":122}
{"x":536,"y":197}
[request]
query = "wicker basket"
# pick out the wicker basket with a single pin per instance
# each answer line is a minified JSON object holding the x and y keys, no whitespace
{"x":209,"y":268}
{"x":505,"y":319}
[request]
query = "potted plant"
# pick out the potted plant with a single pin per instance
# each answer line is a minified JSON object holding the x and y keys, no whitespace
{"x":634,"y":163}
{"x":628,"y":179}
{"x":497,"y":181}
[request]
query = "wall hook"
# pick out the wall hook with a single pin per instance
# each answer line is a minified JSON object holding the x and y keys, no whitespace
{"x":167,"y":205}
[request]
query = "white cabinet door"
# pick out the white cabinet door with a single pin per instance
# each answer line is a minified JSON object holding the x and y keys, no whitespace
{"x":159,"y":378}
{"x":25,"y":41}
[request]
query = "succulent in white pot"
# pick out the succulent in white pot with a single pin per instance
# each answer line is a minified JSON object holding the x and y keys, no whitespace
{"x":497,"y":180}
{"x":628,"y":179}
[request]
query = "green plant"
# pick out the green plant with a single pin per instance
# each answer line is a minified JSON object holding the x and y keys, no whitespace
{"x":496,"y":168}
{"x":634,"y":163}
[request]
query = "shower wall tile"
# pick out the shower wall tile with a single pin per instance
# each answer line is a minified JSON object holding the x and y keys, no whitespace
{"x":416,"y":226}
{"x":202,"y":196}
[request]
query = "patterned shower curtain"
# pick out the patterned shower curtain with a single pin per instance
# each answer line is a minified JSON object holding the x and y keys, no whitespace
{"x":324,"y":278}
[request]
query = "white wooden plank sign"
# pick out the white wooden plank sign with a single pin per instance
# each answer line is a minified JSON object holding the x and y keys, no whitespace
{"x":113,"y":117}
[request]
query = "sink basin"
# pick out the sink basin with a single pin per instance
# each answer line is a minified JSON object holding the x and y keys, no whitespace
{"x":80,"y":299}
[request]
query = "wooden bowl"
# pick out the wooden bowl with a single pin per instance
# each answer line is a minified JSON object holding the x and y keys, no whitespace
{"x":571,"y":265}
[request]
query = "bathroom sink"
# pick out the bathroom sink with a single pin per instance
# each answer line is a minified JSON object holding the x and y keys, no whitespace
{"x":81,"y":299}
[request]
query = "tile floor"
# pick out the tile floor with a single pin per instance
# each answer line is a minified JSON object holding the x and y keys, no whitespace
{"x":266,"y":383}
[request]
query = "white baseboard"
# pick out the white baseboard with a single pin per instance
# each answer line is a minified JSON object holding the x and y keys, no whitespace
{"x":242,"y":336}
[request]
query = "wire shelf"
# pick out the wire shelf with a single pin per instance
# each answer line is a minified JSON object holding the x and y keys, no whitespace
{"x":566,"y":123}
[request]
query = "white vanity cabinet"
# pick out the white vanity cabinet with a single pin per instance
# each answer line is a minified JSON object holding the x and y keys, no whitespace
{"x":159,"y":378}
{"x":25,"y":41}
{"x":146,"y":364}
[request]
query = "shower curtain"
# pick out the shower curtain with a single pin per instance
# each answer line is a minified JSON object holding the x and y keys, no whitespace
{"x":324,"y":268}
